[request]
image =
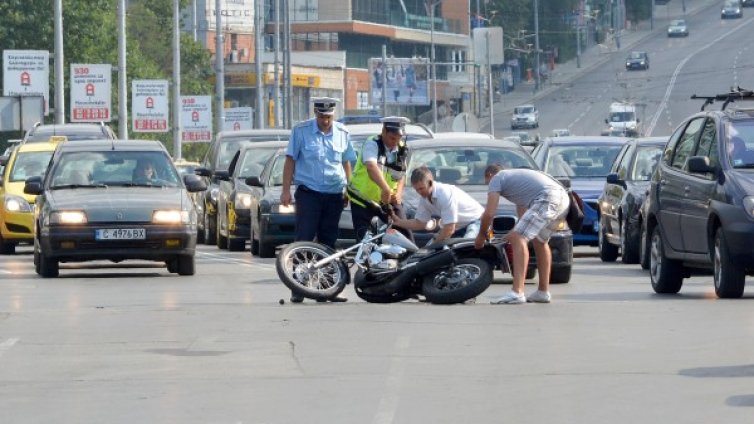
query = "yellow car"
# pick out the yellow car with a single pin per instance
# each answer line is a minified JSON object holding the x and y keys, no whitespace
{"x":16,"y":208}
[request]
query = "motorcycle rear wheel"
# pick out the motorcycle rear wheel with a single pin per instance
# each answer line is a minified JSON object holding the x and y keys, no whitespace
{"x":294,"y":267}
{"x":466,"y":279}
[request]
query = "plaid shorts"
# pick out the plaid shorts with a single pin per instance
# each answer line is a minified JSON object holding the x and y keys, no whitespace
{"x":543,"y":216}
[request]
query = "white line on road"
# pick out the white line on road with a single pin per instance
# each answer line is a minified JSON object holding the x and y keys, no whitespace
{"x":389,"y":401}
{"x":4,"y":346}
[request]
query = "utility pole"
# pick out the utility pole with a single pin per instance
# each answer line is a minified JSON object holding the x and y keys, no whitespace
{"x":490,"y":88}
{"x":193,"y":19}
{"x":287,"y":67}
{"x":219,"y":69}
{"x":432,"y":5}
{"x":276,"y":80}
{"x":259,"y":33}
{"x":536,"y":43}
{"x":59,"y":85}
{"x":176,"y":79}
{"x":123,"y":122}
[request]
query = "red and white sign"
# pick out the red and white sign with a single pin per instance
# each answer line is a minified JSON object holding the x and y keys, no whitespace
{"x":27,"y":73}
{"x":238,"y":118}
{"x":149,"y":106}
{"x":196,"y":119}
{"x":91,"y":86}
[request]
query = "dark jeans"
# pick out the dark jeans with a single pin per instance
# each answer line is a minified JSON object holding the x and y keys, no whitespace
{"x":317,"y":215}
{"x":361,"y":217}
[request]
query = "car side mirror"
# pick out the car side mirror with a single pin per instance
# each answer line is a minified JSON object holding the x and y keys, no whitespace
{"x":33,"y":186}
{"x":203,"y":172}
{"x":194,"y":183}
{"x":613,"y":178}
{"x":699,"y":165}
{"x":253,"y":181}
{"x":222,"y":175}
{"x":3,"y":160}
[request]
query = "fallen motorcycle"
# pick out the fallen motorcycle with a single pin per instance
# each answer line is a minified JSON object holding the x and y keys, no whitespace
{"x":390,"y":268}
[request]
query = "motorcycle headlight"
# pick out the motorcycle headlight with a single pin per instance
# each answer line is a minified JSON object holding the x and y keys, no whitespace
{"x":16,"y":204}
{"x":243,"y":201}
{"x":68,"y":217}
{"x":284,"y":209}
{"x":749,"y":205}
{"x":170,"y":216}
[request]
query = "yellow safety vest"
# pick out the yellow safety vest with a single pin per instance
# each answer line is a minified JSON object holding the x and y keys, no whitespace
{"x":362,"y":186}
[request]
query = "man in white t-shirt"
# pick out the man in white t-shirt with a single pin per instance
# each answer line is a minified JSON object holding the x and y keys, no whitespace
{"x":459,"y":212}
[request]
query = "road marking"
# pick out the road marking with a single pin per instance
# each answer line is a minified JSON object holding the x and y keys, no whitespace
{"x":664,"y":102}
{"x":393,"y":381}
{"x":4,"y":346}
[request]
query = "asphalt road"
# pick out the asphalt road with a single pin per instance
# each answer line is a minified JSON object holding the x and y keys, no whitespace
{"x":125,"y":345}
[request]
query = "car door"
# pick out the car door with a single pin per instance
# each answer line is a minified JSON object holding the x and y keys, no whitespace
{"x":673,"y":184}
{"x":613,"y":193}
{"x":698,"y":192}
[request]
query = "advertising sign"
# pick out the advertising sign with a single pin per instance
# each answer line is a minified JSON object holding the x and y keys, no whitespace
{"x":237,"y":15}
{"x":196,"y":118}
{"x":149,"y":106}
{"x":27,"y":73}
{"x":238,"y":118}
{"x":491,"y":37}
{"x":91,"y":86}
{"x":406,"y":79}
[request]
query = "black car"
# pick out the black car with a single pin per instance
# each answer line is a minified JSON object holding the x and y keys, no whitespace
{"x":637,"y":60}
{"x":218,"y":158}
{"x":731,"y":10}
{"x":462,"y":162}
{"x":622,"y":198}
{"x":585,"y":161}
{"x":272,"y":224}
{"x":234,"y":196}
{"x":93,"y":203}
{"x":700,"y":208}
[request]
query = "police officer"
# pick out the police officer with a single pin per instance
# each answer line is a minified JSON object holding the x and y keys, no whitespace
{"x":318,"y":162}
{"x":379,"y":175}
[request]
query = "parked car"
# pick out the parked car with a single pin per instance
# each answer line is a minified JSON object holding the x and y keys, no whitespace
{"x":16,"y":208}
{"x":91,"y":205}
{"x":678,"y":28}
{"x":561,"y":132}
{"x":360,"y":119}
{"x":585,"y":161}
{"x":731,"y":10}
{"x":637,"y":60}
{"x":218,"y":158}
{"x":234,"y":198}
{"x":462,"y":162}
{"x":525,"y":116}
{"x":360,"y":132}
{"x":525,"y":139}
{"x":43,"y":133}
{"x":622,"y":198}
{"x":700,"y":207}
{"x":272,"y":224}
{"x":464,"y":135}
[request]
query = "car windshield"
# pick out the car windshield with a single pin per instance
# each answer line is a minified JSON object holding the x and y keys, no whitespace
{"x":114,"y":168}
{"x":586,"y":160}
{"x":230,"y":145}
{"x":29,"y":164}
{"x":522,"y":110}
{"x":253,"y":162}
{"x":731,"y":4}
{"x":70,"y":134}
{"x":645,"y":162}
{"x":276,"y":173}
{"x":677,"y":23}
{"x":621,"y":116}
{"x":636,"y":55}
{"x":464,"y":166}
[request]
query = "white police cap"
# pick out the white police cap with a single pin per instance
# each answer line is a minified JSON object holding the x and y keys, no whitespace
{"x":395,"y":123}
{"x":325,"y":105}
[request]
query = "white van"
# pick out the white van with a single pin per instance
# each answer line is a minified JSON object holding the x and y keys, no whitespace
{"x":525,"y":116}
{"x":622,"y":118}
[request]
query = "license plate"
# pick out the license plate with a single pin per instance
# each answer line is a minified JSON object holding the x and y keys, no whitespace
{"x":120,"y":234}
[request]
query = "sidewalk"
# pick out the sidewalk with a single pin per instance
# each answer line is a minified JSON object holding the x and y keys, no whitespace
{"x":594,"y":56}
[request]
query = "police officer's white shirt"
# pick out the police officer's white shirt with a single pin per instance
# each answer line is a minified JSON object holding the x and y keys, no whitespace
{"x":451,"y":204}
{"x":372,"y":150}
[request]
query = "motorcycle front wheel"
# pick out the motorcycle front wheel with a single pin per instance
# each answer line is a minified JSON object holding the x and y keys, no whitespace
{"x":295,"y":267}
{"x":466,"y":279}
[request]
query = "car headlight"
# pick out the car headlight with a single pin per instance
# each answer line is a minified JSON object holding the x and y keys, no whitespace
{"x":284,"y":209}
{"x":68,"y":217}
{"x":16,"y":204}
{"x":243,"y":201}
{"x":170,"y":216}
{"x":749,"y":205}
{"x":213,"y":194}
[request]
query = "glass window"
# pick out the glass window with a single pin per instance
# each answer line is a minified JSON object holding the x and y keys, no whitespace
{"x":645,"y":162}
{"x":620,"y":160}
{"x":114,"y":168}
{"x":362,"y":100}
{"x":253,"y":162}
{"x":276,"y":173}
{"x":708,"y":143}
{"x":686,"y":143}
{"x":588,"y":160}
{"x":29,"y":164}
{"x":463,"y":166}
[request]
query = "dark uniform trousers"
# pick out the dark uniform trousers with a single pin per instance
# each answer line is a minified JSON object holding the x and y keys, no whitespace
{"x":317,"y":215}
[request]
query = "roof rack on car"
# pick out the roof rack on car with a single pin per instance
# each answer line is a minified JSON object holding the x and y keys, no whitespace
{"x":732,"y":96}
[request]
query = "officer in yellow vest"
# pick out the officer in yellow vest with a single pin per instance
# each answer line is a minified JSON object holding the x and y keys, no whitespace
{"x":380,"y":175}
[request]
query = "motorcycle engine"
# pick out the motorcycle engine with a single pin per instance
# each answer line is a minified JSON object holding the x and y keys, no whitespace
{"x":379,"y":262}
{"x":391,"y":251}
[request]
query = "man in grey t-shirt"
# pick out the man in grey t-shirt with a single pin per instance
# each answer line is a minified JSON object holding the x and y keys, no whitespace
{"x":541,"y":203}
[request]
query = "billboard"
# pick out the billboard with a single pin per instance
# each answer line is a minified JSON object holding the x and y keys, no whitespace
{"x":196,"y":118}
{"x":238,"y":118}
{"x":149,"y":106}
{"x":27,"y":73}
{"x":237,"y":15}
{"x":90,"y":93}
{"x":406,"y":81}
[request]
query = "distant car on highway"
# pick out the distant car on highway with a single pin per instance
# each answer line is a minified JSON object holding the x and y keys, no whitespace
{"x":678,"y":28}
{"x":637,"y":60}
{"x":525,"y":116}
{"x":731,"y":10}
{"x":42,"y":133}
{"x":560,"y":132}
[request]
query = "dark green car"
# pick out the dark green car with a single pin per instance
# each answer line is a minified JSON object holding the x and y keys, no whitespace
{"x":113,"y":200}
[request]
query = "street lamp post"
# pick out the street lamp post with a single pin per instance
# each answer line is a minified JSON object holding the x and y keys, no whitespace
{"x":432,"y":60}
{"x":536,"y":42}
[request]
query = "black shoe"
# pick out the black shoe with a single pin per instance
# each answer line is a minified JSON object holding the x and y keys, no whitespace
{"x":336,"y":299}
{"x":296,"y":298}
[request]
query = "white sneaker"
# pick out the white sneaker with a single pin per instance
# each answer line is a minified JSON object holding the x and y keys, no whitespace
{"x":539,"y":296}
{"x":510,"y":298}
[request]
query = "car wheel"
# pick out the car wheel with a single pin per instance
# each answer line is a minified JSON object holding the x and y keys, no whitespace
{"x":644,"y":249}
{"x":666,"y":274}
{"x":253,"y":244}
{"x":560,"y":275}
{"x":729,"y":277}
{"x":266,"y":249}
{"x":200,"y":235}
{"x":220,"y":240}
{"x":608,"y":252}
{"x":48,"y":268}
{"x":185,"y":265}
{"x":7,"y":248}
{"x":210,"y":229}
{"x":172,"y":265}
{"x":236,"y":244}
{"x":629,"y":248}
